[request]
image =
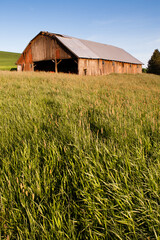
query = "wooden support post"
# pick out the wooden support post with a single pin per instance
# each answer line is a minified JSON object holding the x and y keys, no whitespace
{"x":76,"y":61}
{"x":56,"y":68}
{"x":56,"y":64}
{"x":55,"y":57}
{"x":59,"y":62}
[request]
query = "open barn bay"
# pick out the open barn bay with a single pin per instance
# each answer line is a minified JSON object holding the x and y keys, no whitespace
{"x":79,"y":156}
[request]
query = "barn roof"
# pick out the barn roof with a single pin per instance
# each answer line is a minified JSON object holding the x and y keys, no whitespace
{"x":88,"y":49}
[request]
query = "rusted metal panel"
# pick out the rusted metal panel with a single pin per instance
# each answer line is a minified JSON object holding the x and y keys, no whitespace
{"x":57,"y":53}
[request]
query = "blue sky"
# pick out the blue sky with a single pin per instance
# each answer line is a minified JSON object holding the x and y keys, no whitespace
{"x":131,"y":25}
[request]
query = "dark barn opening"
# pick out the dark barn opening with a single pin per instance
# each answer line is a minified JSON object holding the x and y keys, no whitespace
{"x":65,"y":66}
{"x":46,"y":66}
{"x":68,"y":66}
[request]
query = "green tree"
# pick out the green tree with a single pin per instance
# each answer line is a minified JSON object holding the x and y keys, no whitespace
{"x":154,"y":63}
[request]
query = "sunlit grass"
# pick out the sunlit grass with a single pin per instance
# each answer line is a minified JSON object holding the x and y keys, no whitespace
{"x":79,"y":156}
{"x":8,"y":60}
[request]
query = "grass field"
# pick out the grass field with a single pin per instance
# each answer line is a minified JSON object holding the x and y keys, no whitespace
{"x":79,"y":156}
{"x":8,"y":60}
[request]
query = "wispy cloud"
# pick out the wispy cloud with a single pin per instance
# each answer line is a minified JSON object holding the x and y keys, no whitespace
{"x":155,"y":41}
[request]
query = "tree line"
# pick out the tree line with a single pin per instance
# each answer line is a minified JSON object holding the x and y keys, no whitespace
{"x":154,"y":63}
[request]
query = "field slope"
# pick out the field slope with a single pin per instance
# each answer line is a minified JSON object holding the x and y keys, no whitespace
{"x":79,"y":156}
{"x":8,"y":60}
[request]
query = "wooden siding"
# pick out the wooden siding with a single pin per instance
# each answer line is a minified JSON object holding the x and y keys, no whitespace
{"x":47,"y":48}
{"x":25,"y":60}
{"x":104,"y":67}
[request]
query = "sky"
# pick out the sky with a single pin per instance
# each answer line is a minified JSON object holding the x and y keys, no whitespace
{"x":131,"y":25}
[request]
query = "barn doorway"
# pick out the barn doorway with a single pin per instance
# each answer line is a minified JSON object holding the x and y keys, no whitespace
{"x":68,"y":66}
{"x":46,"y":66}
{"x":63,"y":65}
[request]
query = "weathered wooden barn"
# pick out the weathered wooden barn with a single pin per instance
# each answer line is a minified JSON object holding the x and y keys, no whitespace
{"x":59,"y":53}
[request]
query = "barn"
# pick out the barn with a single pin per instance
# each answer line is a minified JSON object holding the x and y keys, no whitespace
{"x":59,"y":53}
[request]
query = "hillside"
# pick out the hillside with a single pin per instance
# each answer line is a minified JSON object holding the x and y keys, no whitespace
{"x":79,"y":156}
{"x":8,"y":60}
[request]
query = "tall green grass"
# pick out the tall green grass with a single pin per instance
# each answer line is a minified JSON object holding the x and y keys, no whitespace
{"x":79,"y":156}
